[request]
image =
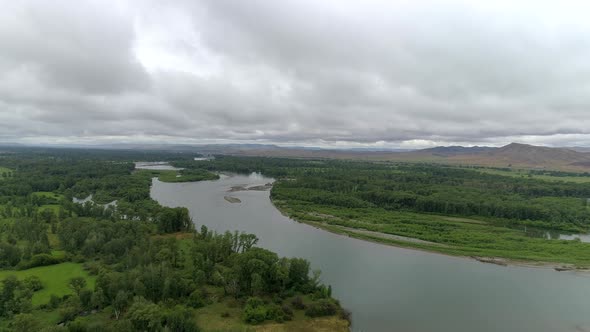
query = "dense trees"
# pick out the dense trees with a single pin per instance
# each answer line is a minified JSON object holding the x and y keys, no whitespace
{"x":171,"y":220}
{"x":442,"y":190}
{"x":147,"y":279}
{"x":15,"y":297}
{"x":420,"y":188}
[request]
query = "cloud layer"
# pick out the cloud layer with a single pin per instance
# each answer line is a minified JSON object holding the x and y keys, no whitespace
{"x":329,"y":73}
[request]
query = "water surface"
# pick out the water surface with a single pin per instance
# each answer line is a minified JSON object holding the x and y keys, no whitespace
{"x":156,"y":166}
{"x":89,"y":199}
{"x":389,"y":288}
{"x":555,"y":235}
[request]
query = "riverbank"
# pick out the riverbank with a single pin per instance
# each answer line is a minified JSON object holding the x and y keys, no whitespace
{"x":427,"y":246}
{"x":387,"y":287}
{"x":173,"y":176}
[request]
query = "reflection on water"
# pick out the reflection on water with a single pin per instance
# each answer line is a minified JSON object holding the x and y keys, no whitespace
{"x":581,"y":237}
{"x":389,"y":288}
{"x":89,"y":199}
{"x":156,"y":166}
{"x":82,"y":200}
{"x":555,"y":235}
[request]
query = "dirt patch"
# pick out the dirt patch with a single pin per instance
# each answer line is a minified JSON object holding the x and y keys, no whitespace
{"x":491,"y":260}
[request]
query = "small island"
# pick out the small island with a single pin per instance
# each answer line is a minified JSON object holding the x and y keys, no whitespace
{"x":232,"y":199}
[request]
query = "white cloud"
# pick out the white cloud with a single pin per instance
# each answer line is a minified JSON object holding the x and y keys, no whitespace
{"x":329,"y":73}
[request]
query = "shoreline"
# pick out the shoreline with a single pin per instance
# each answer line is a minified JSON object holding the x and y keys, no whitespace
{"x":500,"y":261}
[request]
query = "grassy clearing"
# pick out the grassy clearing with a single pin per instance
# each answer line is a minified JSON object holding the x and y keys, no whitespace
{"x":58,"y":253}
{"x":48,"y":200}
{"x":54,"y":278}
{"x":53,"y":207}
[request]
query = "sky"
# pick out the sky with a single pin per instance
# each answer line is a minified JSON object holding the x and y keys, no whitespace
{"x":330,"y":73}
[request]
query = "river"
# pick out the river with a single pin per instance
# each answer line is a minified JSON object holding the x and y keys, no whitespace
{"x":394,"y":289}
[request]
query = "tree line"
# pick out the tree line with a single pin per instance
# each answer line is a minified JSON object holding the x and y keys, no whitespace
{"x":152,"y":267}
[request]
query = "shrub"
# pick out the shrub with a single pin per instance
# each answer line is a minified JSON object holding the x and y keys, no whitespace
{"x":55,"y":328}
{"x":276,"y":313}
{"x":196,"y":299}
{"x":98,"y":299}
{"x":86,"y":299}
{"x":288,"y":312}
{"x":96,"y":327}
{"x":33,"y":283}
{"x":346,"y":315}
{"x":323,"y":307}
{"x":93,"y":268}
{"x":70,"y":308}
{"x":10,"y":254}
{"x":145,"y":315}
{"x":68,"y":313}
{"x":254,"y":315}
{"x":39,"y":260}
{"x":254,"y":312}
{"x":276,"y":299}
{"x":54,"y":301}
{"x":181,"y":319}
{"x":77,"y":326}
{"x":25,"y":323}
{"x":298,"y":303}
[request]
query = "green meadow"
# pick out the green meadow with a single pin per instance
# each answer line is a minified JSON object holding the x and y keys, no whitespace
{"x":54,"y":278}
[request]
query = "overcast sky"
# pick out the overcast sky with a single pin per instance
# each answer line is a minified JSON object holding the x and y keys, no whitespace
{"x":302,"y":72}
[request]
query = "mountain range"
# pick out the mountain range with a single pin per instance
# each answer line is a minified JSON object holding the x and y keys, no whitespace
{"x":515,"y":155}
{"x":512,"y":155}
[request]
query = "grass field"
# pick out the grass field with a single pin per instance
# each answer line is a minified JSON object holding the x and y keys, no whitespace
{"x":51,"y":199}
{"x":54,"y":278}
{"x":48,"y":194}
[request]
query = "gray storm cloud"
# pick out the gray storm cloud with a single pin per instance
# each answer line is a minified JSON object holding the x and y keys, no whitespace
{"x":330,"y":73}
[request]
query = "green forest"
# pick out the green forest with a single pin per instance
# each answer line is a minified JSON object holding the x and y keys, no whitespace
{"x":119,"y":261}
{"x":466,"y":211}
{"x":136,"y":265}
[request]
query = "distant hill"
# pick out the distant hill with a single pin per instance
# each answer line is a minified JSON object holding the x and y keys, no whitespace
{"x":447,"y":151}
{"x":538,"y":155}
{"x":512,"y":155}
{"x":578,"y":148}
